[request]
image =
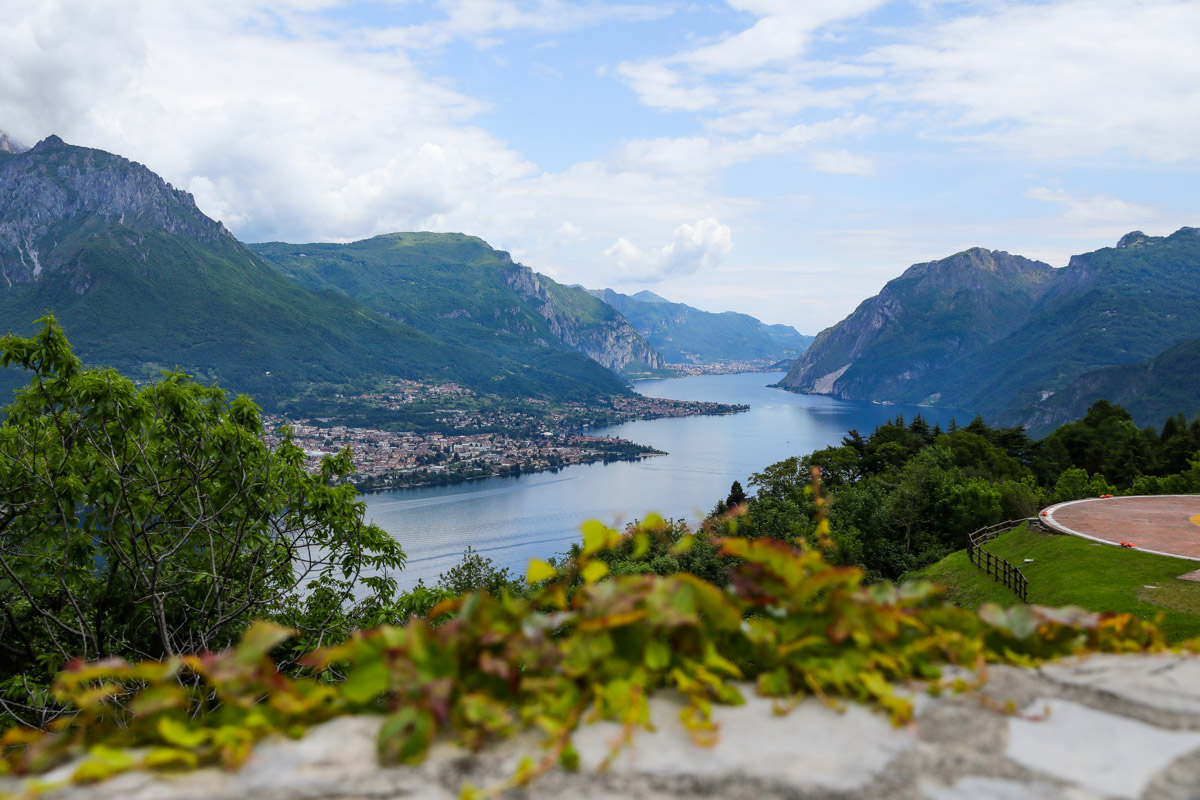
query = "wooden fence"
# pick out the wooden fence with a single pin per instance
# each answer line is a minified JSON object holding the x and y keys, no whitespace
{"x":997,"y":567}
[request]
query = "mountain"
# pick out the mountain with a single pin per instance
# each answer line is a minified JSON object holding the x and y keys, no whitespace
{"x":461,"y":290}
{"x":1150,"y":390}
{"x":8,"y":146}
{"x":647,"y":296}
{"x":903,"y":344}
{"x":142,"y":280}
{"x":1000,"y":335}
{"x":688,"y":335}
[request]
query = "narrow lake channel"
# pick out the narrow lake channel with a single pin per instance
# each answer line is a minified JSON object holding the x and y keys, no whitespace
{"x":511,"y":520}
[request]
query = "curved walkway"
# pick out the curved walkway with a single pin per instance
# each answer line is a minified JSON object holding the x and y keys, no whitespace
{"x":1167,"y":525}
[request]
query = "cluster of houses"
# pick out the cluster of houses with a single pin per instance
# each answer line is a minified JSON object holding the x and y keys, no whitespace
{"x":406,"y":458}
{"x":479,"y":437}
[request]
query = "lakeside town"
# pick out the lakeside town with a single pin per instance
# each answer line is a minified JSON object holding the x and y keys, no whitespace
{"x":411,"y":433}
{"x":728,"y":367}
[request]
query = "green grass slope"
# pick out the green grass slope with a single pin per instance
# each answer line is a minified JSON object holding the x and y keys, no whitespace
{"x":1068,"y":570}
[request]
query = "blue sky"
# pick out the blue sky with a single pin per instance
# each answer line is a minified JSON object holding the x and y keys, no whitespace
{"x":778,"y":157}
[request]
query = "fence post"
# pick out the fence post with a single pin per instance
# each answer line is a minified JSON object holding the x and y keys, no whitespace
{"x":998,"y":568}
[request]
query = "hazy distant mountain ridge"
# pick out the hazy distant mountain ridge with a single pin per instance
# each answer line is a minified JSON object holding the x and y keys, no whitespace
{"x":1002,"y":335}
{"x":460,"y":289}
{"x":688,"y":335}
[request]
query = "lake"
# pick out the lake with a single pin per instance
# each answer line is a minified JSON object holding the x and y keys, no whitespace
{"x":511,"y":520}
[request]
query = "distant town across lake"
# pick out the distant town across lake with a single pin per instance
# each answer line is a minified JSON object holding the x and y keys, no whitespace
{"x":513,"y":519}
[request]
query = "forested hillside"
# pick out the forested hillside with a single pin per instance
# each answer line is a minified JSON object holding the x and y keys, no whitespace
{"x":459,"y":289}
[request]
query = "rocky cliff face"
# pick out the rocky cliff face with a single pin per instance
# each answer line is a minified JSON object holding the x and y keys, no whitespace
{"x":54,"y":194}
{"x":598,"y":332}
{"x":894,"y":345}
{"x":7,"y":145}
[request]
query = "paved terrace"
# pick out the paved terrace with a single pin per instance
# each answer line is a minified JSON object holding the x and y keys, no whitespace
{"x":1168,"y":524}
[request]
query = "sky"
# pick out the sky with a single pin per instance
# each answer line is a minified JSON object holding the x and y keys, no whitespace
{"x":782,"y":158}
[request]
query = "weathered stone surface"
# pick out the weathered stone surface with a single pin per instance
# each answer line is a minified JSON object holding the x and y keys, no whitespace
{"x":1117,"y":727}
{"x":1165,"y":682}
{"x":975,"y":788}
{"x":811,"y":747}
{"x":1111,"y":755}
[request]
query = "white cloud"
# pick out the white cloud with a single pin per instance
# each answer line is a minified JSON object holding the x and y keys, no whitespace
{"x":842,"y":162}
{"x":1091,"y":210}
{"x":479,"y":21}
{"x":1071,"y":79}
{"x":776,"y":41}
{"x":288,"y":136}
{"x":694,"y":247}
{"x":1065,"y":79}
{"x":712,"y":153}
{"x":782,"y":33}
{"x":285,"y":132}
{"x":570,"y":231}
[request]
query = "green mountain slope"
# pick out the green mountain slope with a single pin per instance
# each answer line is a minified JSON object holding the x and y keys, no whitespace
{"x":688,"y":335}
{"x":903,"y":344}
{"x":143,"y":281}
{"x":461,"y":290}
{"x":1151,"y":390}
{"x":1003,"y":342}
{"x":1116,"y":306}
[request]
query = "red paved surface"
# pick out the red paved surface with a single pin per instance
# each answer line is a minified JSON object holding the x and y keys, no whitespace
{"x":1167,"y":524}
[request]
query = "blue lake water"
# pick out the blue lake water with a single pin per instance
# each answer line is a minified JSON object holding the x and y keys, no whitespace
{"x":511,"y":520}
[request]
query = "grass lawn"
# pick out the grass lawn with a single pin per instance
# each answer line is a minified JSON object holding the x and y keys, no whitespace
{"x":1067,"y":570}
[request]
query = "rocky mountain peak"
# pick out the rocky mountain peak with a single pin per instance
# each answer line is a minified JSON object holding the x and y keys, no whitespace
{"x":647,"y":296}
{"x":51,"y":142}
{"x":55,"y":192}
{"x":972,"y":269}
{"x":1133,"y":239}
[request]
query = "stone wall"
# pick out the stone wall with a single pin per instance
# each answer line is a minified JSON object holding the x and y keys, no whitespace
{"x":1102,"y":727}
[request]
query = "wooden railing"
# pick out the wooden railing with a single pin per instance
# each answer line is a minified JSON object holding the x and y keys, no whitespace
{"x":997,"y":567}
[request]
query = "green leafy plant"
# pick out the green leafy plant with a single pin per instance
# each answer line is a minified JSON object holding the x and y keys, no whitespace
{"x":147,"y":522}
{"x":582,"y":645}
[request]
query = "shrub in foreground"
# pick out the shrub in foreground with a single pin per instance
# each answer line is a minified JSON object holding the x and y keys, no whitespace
{"x":151,"y":521}
{"x":582,"y":644}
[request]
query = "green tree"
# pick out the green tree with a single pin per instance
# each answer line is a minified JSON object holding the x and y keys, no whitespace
{"x":149,"y":521}
{"x":476,"y":572}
